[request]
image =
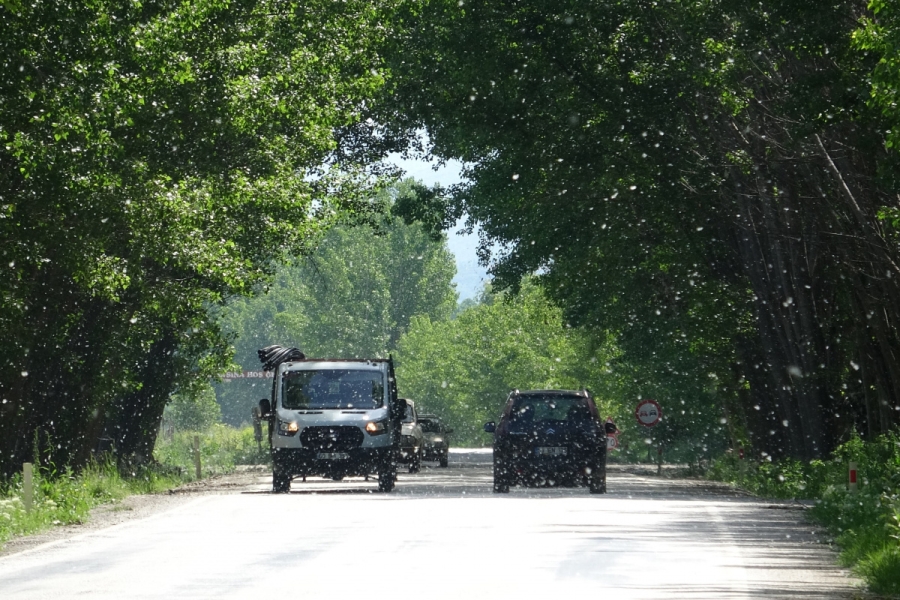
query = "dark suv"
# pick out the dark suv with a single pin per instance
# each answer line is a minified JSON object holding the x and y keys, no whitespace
{"x":550,"y":438}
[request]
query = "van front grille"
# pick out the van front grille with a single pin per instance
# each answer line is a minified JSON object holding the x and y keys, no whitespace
{"x":332,"y":439}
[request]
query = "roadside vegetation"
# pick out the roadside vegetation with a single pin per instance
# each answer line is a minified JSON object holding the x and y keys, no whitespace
{"x":865,"y":523}
{"x":704,"y":214}
{"x":222,"y":447}
{"x":65,"y":497}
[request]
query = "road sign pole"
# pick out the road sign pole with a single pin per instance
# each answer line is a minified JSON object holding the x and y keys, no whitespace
{"x":28,"y":486}
{"x":197,"y":455}
{"x":659,"y":459}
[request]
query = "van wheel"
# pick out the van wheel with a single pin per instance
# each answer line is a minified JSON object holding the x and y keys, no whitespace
{"x":597,"y":485}
{"x":416,"y":465}
{"x":386,"y":481}
{"x":501,"y":487}
{"x":281,"y":482}
{"x":444,"y":460}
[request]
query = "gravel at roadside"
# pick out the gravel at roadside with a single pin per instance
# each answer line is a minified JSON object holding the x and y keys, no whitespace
{"x":138,"y":506}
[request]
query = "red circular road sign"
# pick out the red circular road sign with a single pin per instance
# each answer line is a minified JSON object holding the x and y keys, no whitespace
{"x":648,"y":413}
{"x":612,"y":442}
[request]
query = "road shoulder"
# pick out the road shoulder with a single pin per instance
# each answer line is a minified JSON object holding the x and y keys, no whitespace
{"x":135,"y":507}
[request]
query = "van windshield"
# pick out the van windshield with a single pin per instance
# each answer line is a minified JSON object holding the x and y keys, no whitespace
{"x":332,"y":388}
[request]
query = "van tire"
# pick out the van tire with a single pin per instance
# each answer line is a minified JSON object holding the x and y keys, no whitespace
{"x":444,"y":460}
{"x":416,"y":463}
{"x":281,"y":482}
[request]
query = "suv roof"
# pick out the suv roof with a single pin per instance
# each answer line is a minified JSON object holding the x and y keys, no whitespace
{"x":582,"y":393}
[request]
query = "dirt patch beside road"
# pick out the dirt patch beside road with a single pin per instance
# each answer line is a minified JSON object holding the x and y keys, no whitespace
{"x":139,"y":506}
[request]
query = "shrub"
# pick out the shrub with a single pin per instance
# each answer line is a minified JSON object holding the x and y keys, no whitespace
{"x":193,"y":411}
{"x":865,"y":523}
{"x":222,"y":448}
{"x":61,"y":498}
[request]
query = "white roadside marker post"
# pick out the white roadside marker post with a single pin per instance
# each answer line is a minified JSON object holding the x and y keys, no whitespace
{"x":197,"y":455}
{"x":852,"y":483}
{"x":28,"y":486}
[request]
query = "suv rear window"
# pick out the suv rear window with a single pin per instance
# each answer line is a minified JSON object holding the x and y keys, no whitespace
{"x":532,"y":409}
{"x":332,"y":388}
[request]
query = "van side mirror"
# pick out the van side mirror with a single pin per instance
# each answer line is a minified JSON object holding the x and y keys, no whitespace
{"x":490,"y":427}
{"x":448,"y":430}
{"x":398,"y":409}
{"x":610,"y":427}
{"x":256,"y":413}
{"x":265,"y":408}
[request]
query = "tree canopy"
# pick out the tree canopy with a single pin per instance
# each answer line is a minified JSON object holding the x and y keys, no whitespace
{"x":707,"y":191}
{"x":708,"y":180}
{"x":157,"y":158}
{"x":353,"y":295}
{"x":462,"y":369}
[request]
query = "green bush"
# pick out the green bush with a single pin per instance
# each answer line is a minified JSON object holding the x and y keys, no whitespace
{"x":222,"y":448}
{"x":62,"y":498}
{"x":196,"y":410}
{"x":780,"y":479}
{"x":881,"y":569}
{"x":865,"y":523}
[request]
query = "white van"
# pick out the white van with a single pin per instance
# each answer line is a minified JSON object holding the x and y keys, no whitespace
{"x":334,"y":418}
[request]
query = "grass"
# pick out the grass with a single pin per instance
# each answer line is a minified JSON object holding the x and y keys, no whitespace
{"x":865,"y":523}
{"x":222,"y":448}
{"x":66,"y":497}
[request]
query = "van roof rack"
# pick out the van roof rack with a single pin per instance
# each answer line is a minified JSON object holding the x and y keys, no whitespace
{"x":272,"y":356}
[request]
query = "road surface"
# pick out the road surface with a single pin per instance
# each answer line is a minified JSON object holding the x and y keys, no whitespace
{"x":443,"y":534}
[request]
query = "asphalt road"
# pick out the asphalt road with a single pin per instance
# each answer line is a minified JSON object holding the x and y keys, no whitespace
{"x":443,"y":534}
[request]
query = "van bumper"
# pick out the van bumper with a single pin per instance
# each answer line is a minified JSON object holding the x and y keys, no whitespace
{"x":354,"y":462}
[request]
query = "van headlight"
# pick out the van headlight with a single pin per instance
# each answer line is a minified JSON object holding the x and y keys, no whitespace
{"x":288,"y":427}
{"x":376,"y":427}
{"x":438,"y":440}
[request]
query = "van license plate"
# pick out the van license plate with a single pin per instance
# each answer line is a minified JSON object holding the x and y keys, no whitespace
{"x":552,"y":451}
{"x":332,"y":456}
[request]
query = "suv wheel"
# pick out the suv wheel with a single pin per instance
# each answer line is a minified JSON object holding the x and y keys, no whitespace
{"x":386,"y":481}
{"x":501,"y":478}
{"x":597,"y":483}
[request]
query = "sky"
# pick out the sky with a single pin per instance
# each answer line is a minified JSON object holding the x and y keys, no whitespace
{"x":470,"y":276}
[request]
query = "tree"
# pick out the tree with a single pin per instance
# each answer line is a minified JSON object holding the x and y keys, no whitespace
{"x":157,"y":158}
{"x":710,"y":174}
{"x":462,"y":369}
{"x":353,"y":296}
{"x":193,"y":413}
